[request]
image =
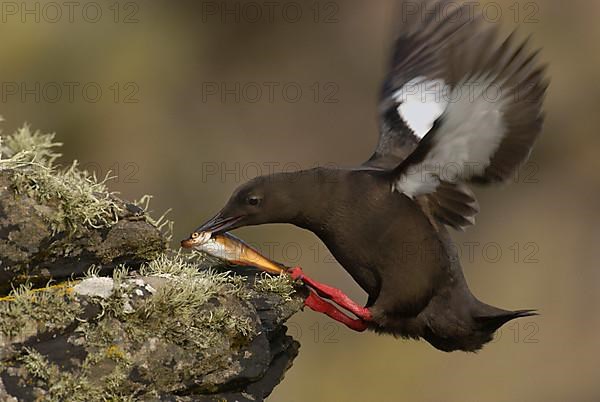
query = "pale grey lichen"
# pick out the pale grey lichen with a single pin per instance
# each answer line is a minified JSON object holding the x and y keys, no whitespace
{"x":162,"y":223}
{"x":98,"y":287}
{"x":83,"y":199}
{"x":54,"y":384}
{"x":177,"y":309}
{"x":188,"y":289}
{"x":35,"y":364}
{"x":183,"y":310}
{"x":283,"y":285}
{"x":26,"y":311}
{"x":32,"y":147}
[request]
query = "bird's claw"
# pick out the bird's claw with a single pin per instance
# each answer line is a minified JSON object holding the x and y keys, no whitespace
{"x":296,"y":273}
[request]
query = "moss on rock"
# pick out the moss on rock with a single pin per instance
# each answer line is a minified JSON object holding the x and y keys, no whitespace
{"x":57,"y":222}
{"x":157,"y":326}
{"x":178,"y":328}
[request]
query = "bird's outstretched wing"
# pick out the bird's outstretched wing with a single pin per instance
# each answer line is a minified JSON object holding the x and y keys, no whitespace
{"x":457,"y":107}
{"x":426,"y":31}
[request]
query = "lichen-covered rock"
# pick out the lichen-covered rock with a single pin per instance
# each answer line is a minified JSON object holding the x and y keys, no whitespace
{"x":176,"y":331}
{"x":31,"y":250}
{"x":55,"y":223}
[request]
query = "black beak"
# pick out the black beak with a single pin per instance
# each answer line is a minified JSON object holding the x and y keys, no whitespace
{"x":218,"y":224}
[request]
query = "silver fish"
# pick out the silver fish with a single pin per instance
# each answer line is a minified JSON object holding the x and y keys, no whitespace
{"x":229,"y":248}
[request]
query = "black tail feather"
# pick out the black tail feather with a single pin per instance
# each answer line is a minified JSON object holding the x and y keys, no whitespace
{"x":494,"y":321}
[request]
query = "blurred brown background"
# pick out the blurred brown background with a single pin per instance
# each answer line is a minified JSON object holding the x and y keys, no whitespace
{"x":196,"y":97}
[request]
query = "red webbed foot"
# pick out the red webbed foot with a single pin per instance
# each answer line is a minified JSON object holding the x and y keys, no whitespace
{"x":335,"y":295}
{"x":315,"y":303}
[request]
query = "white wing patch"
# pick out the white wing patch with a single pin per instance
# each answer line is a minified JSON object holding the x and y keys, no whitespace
{"x":422,"y":102}
{"x":471,"y":130}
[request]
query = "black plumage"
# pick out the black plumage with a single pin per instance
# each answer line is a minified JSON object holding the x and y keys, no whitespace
{"x":385,"y":222}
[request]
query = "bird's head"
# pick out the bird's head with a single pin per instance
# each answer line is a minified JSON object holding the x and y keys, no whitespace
{"x":266,"y":199}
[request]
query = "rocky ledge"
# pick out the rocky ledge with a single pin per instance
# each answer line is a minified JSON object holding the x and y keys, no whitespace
{"x":94,"y":307}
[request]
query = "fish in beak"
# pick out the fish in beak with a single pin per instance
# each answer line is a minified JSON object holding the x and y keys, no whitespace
{"x":231,"y":249}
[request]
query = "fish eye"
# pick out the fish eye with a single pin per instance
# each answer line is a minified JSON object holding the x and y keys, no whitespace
{"x":253,"y":200}
{"x":195,"y":235}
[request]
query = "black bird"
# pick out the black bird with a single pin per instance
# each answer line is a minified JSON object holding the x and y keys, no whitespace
{"x":457,"y":107}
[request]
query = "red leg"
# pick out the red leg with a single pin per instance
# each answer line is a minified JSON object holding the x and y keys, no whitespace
{"x":315,"y":303}
{"x":333,"y":294}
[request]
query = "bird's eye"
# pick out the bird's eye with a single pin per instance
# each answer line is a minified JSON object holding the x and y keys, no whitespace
{"x":254,"y":201}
